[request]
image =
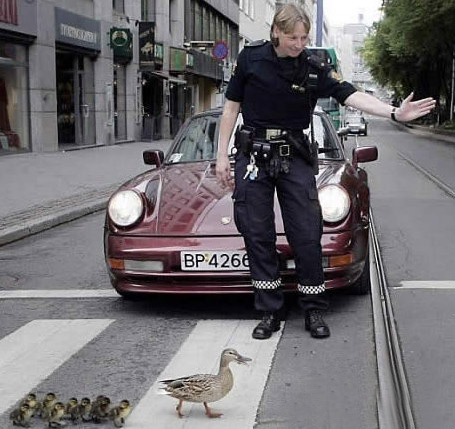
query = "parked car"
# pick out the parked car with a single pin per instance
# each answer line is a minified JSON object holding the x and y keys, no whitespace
{"x":171,"y":229}
{"x":356,"y":124}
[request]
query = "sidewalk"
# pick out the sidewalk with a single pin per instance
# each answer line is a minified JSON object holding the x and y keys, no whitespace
{"x":41,"y":190}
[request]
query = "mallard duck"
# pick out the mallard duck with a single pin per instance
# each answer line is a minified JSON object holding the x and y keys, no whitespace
{"x":205,"y":388}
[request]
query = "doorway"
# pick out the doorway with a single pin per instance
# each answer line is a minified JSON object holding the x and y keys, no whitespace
{"x":75,"y":100}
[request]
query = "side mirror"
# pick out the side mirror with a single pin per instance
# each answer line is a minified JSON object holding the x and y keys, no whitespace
{"x":364,"y":154}
{"x":153,"y":157}
{"x":343,"y":131}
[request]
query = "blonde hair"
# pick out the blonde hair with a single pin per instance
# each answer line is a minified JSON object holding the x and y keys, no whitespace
{"x":286,"y":18}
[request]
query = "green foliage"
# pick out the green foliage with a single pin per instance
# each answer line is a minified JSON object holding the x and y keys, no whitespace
{"x":412,"y":47}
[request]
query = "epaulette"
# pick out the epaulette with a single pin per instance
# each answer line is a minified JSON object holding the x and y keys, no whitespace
{"x":315,"y":61}
{"x":256,"y":43}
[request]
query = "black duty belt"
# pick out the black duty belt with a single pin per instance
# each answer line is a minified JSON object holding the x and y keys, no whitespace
{"x":271,"y":133}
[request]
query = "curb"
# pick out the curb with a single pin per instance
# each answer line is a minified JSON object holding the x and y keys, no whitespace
{"x":31,"y":227}
{"x":441,"y":135}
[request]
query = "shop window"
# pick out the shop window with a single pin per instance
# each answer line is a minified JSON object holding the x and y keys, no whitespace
{"x":14,"y":109}
{"x":118,"y":5}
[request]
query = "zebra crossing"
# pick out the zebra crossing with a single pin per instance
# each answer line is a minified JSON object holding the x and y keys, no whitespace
{"x":49,"y":343}
{"x":33,"y":352}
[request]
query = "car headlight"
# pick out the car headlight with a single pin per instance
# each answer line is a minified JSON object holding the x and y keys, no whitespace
{"x":125,"y":208}
{"x":335,"y":203}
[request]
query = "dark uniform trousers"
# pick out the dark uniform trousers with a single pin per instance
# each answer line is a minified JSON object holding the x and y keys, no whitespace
{"x":302,"y":219}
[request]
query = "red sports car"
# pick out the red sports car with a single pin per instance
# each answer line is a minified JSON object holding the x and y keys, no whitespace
{"x":171,"y":229}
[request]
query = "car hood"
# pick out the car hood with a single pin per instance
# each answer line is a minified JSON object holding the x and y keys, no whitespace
{"x":186,"y":199}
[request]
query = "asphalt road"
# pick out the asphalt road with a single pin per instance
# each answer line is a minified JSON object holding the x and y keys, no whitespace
{"x":305,"y":381}
{"x":412,"y":196}
{"x":92,"y":344}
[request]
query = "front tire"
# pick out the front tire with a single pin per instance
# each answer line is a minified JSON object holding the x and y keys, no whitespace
{"x":363,"y":285}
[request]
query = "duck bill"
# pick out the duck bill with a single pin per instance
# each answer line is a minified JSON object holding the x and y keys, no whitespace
{"x":243,"y":360}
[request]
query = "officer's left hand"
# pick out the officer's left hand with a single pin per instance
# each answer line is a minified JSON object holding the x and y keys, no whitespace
{"x":410,"y":110}
{"x":223,"y":170}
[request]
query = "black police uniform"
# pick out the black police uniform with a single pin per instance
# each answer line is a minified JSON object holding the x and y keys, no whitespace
{"x":274,"y":94}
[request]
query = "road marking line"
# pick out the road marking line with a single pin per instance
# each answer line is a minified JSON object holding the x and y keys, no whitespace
{"x":59,"y":293}
{"x":31,"y":353}
{"x":200,"y":353}
{"x":439,"y":183}
{"x":427,"y":284}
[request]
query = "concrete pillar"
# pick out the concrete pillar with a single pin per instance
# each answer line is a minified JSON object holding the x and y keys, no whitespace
{"x":43,"y":95}
{"x":104,"y":76}
{"x":133,"y":82}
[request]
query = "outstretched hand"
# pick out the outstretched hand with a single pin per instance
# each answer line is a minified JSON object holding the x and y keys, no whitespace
{"x":410,"y":110}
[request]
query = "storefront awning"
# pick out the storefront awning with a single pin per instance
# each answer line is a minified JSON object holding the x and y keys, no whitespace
{"x":164,"y":75}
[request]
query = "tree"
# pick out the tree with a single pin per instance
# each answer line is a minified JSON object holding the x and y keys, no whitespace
{"x":412,"y":48}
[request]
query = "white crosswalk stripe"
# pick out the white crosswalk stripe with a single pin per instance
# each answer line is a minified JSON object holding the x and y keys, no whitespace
{"x":50,"y":343}
{"x":33,"y":352}
{"x":200,"y":354}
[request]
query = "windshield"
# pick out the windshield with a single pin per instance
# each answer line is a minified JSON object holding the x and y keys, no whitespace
{"x":198,"y":141}
{"x":327,"y":143}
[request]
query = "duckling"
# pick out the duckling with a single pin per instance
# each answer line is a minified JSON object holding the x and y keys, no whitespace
{"x":48,"y":404}
{"x":22,"y":416}
{"x":32,"y":402}
{"x":119,"y":413}
{"x":205,"y":388}
{"x":72,"y":410}
{"x":85,"y":409}
{"x":100,"y":408}
{"x":56,"y":414}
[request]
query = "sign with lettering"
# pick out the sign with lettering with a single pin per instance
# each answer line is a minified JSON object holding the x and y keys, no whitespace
{"x":146,"y":43}
{"x":8,"y":11}
{"x":78,"y":30}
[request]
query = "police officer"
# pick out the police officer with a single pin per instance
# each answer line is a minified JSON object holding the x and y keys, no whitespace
{"x":276,"y":85}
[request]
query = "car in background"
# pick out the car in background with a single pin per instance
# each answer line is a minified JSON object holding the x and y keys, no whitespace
{"x":171,"y":229}
{"x":356,"y":124}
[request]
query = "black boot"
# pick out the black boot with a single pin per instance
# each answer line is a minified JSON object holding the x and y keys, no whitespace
{"x":316,"y":325}
{"x":270,"y":323}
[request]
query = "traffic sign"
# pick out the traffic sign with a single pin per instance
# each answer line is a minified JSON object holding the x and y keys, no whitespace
{"x":220,"y":50}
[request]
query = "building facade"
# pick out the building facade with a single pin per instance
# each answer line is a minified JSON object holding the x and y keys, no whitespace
{"x":194,"y":47}
{"x":70,"y":71}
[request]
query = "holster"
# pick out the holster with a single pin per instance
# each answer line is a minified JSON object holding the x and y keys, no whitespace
{"x":244,"y":140}
{"x":307,"y":150}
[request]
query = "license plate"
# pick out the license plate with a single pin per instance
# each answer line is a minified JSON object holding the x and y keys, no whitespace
{"x":214,"y":260}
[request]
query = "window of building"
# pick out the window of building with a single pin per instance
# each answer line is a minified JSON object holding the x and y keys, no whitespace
{"x":269,"y":12}
{"x":144,"y":10}
{"x":197,"y":21}
{"x":118,"y":5}
{"x":14,"y":107}
{"x":205,"y":24}
{"x":251,"y":9}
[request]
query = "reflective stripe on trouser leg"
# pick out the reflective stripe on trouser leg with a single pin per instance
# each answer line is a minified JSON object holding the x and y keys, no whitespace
{"x":311,"y":290}
{"x":266,"y":284}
